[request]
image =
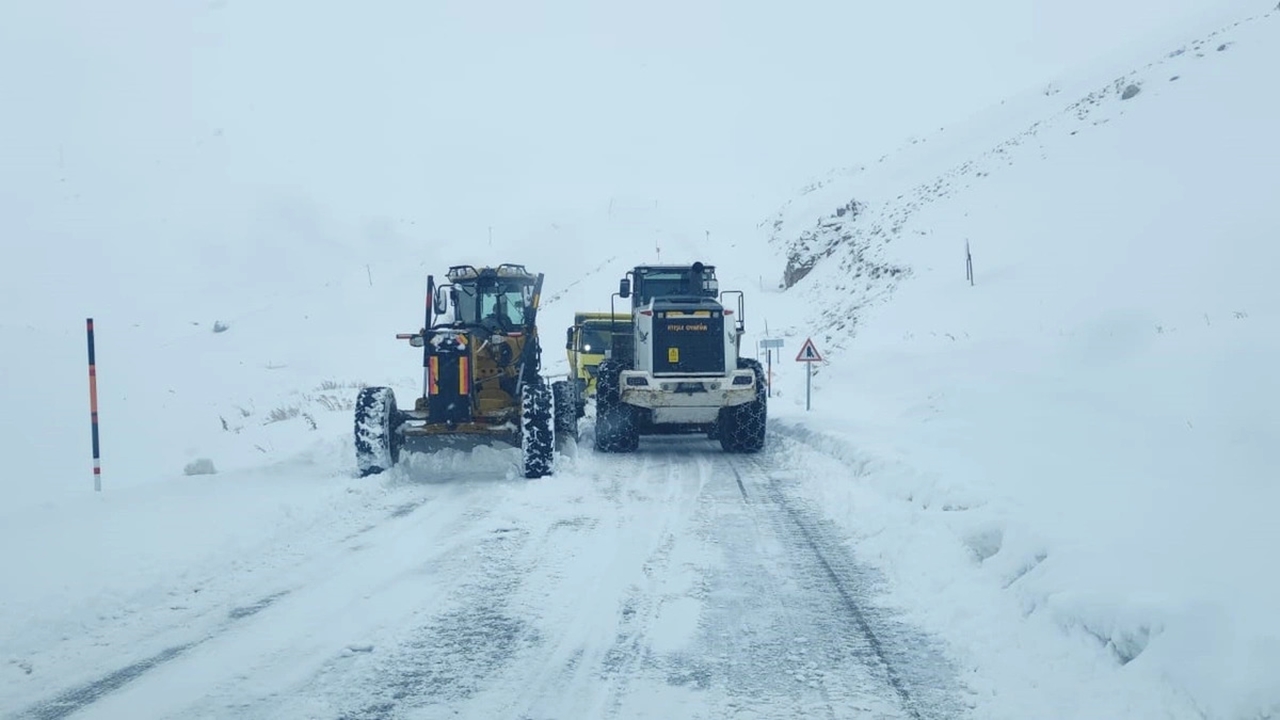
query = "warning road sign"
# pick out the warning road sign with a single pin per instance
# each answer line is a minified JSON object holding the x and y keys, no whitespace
{"x":809,"y":353}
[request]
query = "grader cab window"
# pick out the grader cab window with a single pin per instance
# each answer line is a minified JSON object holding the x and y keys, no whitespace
{"x":497,"y":306}
{"x":507,"y":306}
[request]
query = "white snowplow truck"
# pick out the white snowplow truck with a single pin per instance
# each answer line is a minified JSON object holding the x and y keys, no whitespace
{"x":679,"y":371}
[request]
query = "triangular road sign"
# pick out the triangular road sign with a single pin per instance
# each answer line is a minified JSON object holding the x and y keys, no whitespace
{"x":809,"y":352}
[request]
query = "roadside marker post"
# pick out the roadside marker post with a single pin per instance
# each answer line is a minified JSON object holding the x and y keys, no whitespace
{"x":93,"y":408}
{"x":808,"y":355}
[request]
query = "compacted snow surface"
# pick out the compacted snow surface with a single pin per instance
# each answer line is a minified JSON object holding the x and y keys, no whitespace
{"x":1048,"y":493}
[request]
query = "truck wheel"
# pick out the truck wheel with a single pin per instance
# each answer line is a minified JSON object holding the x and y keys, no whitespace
{"x":616,"y":429}
{"x":536,"y":437}
{"x":378,"y":439}
{"x":742,"y":428}
{"x":566,"y":412}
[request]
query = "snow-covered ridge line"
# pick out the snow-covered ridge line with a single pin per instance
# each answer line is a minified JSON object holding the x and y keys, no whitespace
{"x":865,"y":220}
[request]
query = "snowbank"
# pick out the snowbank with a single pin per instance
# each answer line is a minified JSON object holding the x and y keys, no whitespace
{"x":1082,"y":439}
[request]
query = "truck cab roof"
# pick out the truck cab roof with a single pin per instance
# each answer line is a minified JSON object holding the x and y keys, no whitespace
{"x":693,"y":282}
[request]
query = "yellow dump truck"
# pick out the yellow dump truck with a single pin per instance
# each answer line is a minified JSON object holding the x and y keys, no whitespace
{"x":589,"y":341}
{"x":593,"y":337}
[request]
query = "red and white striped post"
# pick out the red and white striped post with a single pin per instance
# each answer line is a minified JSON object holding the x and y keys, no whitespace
{"x":93,"y":409}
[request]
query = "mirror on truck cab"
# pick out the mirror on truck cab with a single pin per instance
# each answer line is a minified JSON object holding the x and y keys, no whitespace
{"x":441,"y":300}
{"x":624,"y":288}
{"x":568,"y":340}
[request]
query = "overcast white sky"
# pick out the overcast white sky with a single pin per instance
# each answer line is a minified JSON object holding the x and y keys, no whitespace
{"x":169,"y":126}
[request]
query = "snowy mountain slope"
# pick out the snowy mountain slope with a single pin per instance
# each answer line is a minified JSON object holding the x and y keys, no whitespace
{"x":1079,"y":443}
{"x":863,"y":209}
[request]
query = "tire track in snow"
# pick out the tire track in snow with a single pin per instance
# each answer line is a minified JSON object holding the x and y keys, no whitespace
{"x":640,"y":608}
{"x":76,"y":699}
{"x":773,"y":635}
{"x":419,"y":643}
{"x":852,"y":608}
{"x":596,"y":589}
{"x":772,"y":644}
{"x":713,"y":622}
{"x":907,"y":663}
{"x":679,"y":579}
{"x":487,"y":650}
{"x":129,"y":686}
{"x":605,"y":660}
{"x":82,"y":696}
{"x":449,"y":659}
{"x":789,"y":616}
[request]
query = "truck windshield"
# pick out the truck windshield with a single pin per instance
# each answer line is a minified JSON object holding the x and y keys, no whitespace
{"x":676,"y":281}
{"x":595,"y":338}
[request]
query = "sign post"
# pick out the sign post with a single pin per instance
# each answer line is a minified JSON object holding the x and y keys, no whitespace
{"x":769,"y":346}
{"x":808,"y":355}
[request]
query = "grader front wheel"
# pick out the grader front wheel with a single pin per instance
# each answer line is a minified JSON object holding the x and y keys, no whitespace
{"x":536,"y":437}
{"x":377,"y":434}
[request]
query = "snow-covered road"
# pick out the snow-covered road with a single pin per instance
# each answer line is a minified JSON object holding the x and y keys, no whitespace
{"x":676,"y":582}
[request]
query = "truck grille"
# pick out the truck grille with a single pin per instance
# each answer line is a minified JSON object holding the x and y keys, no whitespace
{"x":688,"y":343}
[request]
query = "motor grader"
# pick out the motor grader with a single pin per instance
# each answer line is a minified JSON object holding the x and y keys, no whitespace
{"x":482,"y":381}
